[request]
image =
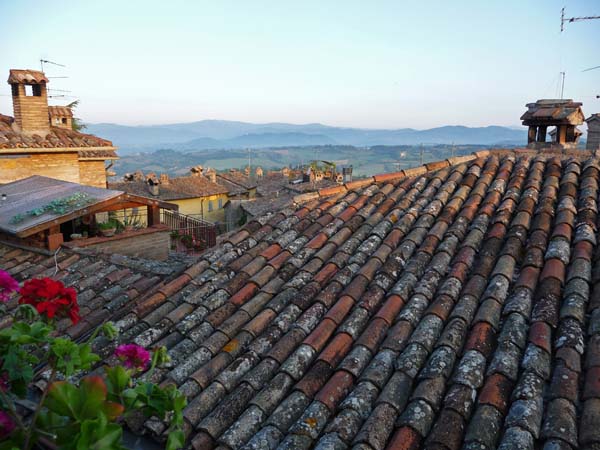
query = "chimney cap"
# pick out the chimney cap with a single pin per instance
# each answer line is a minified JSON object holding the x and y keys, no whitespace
{"x":26,"y":76}
{"x":60,"y":111}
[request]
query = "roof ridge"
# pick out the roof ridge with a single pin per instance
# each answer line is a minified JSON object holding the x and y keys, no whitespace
{"x":406,"y":173}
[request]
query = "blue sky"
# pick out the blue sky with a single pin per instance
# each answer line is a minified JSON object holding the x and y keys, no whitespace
{"x":378,"y":64}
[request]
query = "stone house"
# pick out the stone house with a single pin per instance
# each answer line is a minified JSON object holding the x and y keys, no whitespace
{"x":593,"y":137}
{"x":40,"y":140}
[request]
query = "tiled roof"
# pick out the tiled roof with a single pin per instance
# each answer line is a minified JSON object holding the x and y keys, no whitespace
{"x":177,"y":188}
{"x":26,"y":76}
{"x":97,"y":154}
{"x":446,"y":307}
{"x":235,"y":181}
{"x":61,"y":111}
{"x":11,"y":138}
{"x":554,"y":111}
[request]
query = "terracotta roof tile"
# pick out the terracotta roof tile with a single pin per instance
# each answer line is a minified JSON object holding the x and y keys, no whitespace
{"x":11,"y":138}
{"x":423,"y":308}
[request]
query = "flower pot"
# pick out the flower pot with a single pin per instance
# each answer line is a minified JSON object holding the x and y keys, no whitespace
{"x":109,"y":232}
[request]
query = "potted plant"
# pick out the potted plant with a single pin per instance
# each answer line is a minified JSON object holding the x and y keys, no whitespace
{"x":107,"y":229}
{"x":131,"y":223}
{"x":187,"y":240}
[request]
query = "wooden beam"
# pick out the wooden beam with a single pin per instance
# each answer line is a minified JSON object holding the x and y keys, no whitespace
{"x":153,"y":215}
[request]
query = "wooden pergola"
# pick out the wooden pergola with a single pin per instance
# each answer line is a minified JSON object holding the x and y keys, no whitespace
{"x":22,"y":200}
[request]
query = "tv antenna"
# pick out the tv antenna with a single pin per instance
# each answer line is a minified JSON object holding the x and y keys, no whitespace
{"x":591,"y":68}
{"x":564,"y":19}
{"x":45,"y":61}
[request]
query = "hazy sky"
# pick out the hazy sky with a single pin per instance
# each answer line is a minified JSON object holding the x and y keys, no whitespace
{"x":373,"y":64}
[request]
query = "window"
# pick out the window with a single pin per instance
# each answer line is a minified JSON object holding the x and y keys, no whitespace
{"x":33,"y":90}
{"x":64,"y":120}
{"x":220,"y":203}
{"x":210,"y":205}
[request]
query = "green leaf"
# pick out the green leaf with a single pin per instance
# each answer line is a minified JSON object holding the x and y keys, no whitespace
{"x":92,"y":396}
{"x":71,"y":357}
{"x":176,"y":440}
{"x":62,"y":399}
{"x":118,"y":379}
{"x":98,"y":434}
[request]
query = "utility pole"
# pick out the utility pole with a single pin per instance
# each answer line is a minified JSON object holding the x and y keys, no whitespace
{"x":249,"y":163}
{"x":564,"y":19}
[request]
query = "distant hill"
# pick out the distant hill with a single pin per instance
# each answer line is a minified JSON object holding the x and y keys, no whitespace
{"x":222,"y":134}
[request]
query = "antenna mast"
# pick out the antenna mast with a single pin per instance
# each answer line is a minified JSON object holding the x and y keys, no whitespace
{"x":564,"y":19}
{"x":45,"y":61}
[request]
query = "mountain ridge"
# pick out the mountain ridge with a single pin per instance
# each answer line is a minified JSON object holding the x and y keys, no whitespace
{"x":224,"y":134}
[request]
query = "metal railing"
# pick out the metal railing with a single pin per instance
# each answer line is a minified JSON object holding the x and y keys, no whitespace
{"x":188,"y":233}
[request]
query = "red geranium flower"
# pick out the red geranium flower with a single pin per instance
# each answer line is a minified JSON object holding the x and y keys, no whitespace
{"x":51,"y":297}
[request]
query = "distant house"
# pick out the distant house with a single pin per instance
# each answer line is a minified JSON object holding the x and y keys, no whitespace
{"x":240,"y":186}
{"x":196,"y":195}
{"x":593,"y":137}
{"x":40,"y":140}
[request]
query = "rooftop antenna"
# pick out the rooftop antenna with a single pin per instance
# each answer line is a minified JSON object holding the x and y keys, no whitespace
{"x":591,"y":68}
{"x":562,"y":87}
{"x":564,"y":19}
{"x":45,"y":61}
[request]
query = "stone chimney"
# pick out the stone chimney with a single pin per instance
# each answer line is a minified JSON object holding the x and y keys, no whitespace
{"x":211,"y":174}
{"x":197,"y":171}
{"x":164,"y":179}
{"x":61,"y":117}
{"x":30,"y":100}
{"x":153,"y":184}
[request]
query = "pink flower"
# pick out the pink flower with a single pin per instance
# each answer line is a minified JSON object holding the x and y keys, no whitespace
{"x":6,"y":424}
{"x":133,"y":356}
{"x":8,"y":285}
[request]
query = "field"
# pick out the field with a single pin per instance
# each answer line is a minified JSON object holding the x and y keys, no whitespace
{"x":365,"y":160}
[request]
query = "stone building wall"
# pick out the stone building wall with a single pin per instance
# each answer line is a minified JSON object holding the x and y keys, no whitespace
{"x":593,"y":137}
{"x":148,"y":243}
{"x":62,"y":166}
{"x":92,"y":173}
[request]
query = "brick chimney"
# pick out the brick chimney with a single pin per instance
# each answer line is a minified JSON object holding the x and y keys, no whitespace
{"x":164,"y":179}
{"x":30,"y":100}
{"x":61,"y":117}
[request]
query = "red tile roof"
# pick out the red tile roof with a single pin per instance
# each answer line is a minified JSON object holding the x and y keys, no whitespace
{"x":26,"y":76}
{"x":453,"y":308}
{"x":62,"y":111}
{"x":177,"y":188}
{"x":12,"y":138}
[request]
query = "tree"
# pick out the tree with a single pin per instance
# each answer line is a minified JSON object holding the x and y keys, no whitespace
{"x":77,"y":125}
